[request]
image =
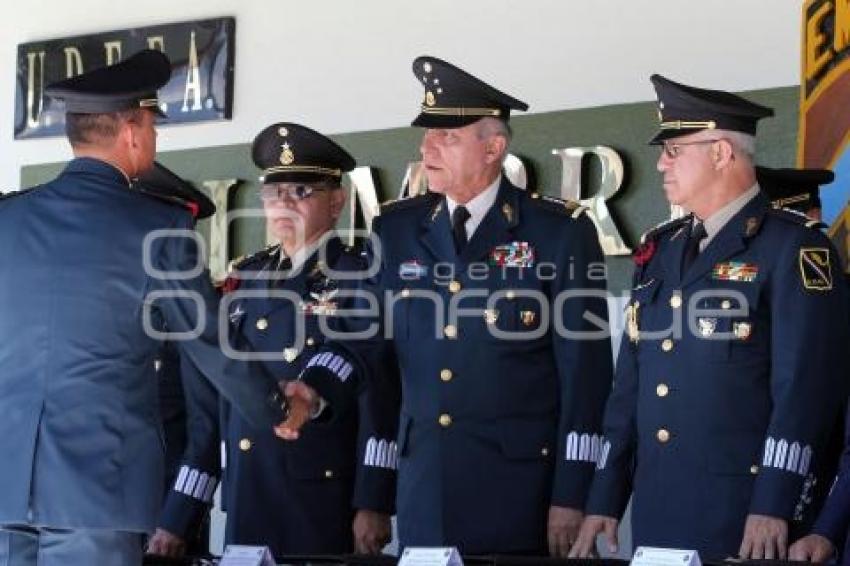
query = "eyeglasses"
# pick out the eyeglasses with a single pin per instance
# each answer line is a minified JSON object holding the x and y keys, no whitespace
{"x":295,"y":193}
{"x":674,"y":149}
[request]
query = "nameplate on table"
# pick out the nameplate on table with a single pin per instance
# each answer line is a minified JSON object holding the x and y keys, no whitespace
{"x":242,"y":555}
{"x":430,"y":556}
{"x":652,"y":556}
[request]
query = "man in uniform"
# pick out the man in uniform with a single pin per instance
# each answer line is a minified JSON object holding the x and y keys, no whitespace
{"x":188,"y":409}
{"x":796,"y":189}
{"x":501,"y":408}
{"x":725,"y":387}
{"x":332,"y":491}
{"x":79,"y":440}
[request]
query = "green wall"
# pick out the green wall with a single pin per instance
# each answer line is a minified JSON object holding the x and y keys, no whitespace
{"x":639,"y":205}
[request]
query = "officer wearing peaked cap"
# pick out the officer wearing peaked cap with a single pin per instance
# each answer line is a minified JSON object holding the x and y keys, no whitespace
{"x":77,"y":346}
{"x":332,"y":491}
{"x":725,"y":389}
{"x":501,"y":414}
{"x":797,"y":189}
{"x":188,"y":409}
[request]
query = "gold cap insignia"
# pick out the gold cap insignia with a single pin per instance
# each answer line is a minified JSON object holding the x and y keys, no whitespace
{"x":429,"y":98}
{"x":286,"y":156}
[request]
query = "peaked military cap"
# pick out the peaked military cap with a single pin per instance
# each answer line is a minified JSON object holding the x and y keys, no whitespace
{"x":132,"y":83}
{"x":685,"y":109}
{"x":161,"y":181}
{"x":454,"y":98}
{"x":292,"y":153}
{"x":798,"y":189}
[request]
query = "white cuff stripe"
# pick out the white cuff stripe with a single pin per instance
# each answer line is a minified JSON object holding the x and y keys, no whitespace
{"x":196,"y":484}
{"x":381,"y":454}
{"x":336,"y":364}
{"x":583,"y":447}
{"x":794,"y":457}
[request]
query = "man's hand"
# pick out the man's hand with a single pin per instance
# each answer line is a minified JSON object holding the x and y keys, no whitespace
{"x":302,"y":401}
{"x":371,"y":530}
{"x":163,"y":543}
{"x":812,"y":548}
{"x":562,"y":530}
{"x":585,"y":544}
{"x":765,"y":538}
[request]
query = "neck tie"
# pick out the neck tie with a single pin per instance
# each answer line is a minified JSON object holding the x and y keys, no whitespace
{"x":459,"y":218}
{"x":698,"y":234}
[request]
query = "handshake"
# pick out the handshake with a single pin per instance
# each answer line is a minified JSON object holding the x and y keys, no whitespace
{"x":301,"y":405}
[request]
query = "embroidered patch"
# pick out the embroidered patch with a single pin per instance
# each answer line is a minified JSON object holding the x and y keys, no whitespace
{"x":412,"y":269}
{"x":735,"y":271}
{"x":514,"y":254}
{"x":815,"y":269}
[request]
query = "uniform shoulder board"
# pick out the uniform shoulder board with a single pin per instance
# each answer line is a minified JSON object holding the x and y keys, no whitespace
{"x":665,"y":226}
{"x":244,"y":261}
{"x":568,"y":207}
{"x":409,"y":202}
{"x":796,"y":217}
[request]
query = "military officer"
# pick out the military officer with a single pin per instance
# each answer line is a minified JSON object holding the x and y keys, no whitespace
{"x":725,"y":386}
{"x":501,"y":409}
{"x":95,"y":278}
{"x":797,"y":189}
{"x":188,"y":408}
{"x":332,"y":491}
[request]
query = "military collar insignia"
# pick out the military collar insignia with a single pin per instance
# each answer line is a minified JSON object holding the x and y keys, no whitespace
{"x":236,"y":314}
{"x":508,"y":211}
{"x":436,"y":210}
{"x":751,"y":226}
{"x":666,"y":225}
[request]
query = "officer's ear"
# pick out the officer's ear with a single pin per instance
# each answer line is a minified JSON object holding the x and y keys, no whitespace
{"x":495,"y":148}
{"x":337,"y":200}
{"x":722,"y":154}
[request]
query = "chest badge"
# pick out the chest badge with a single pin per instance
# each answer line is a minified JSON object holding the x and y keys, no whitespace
{"x":735,"y":271}
{"x":514,"y":254}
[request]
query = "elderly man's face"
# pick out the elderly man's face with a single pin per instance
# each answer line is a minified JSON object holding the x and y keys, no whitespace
{"x":687,"y":167}
{"x":455,"y":159}
{"x":299,"y":213}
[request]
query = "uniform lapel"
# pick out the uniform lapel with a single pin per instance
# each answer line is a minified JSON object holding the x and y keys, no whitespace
{"x":497,"y":226}
{"x":730,"y":240}
{"x":673,"y":258}
{"x":436,"y":235}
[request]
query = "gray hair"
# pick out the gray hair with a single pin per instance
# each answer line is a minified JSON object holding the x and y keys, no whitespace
{"x":741,"y":142}
{"x":494,"y":127}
